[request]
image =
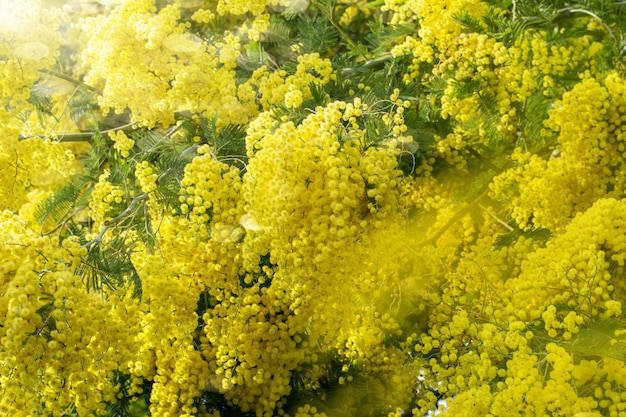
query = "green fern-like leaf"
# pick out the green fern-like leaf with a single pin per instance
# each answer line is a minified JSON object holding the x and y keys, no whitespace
{"x":600,"y":339}
{"x":382,"y":36}
{"x":256,"y":56}
{"x":469,"y":23}
{"x":278,"y":33}
{"x":44,"y":106}
{"x":320,"y":97}
{"x":65,"y":201}
{"x":316,"y":34}
{"x":510,"y":238}
{"x":535,"y":111}
{"x":109,"y":266}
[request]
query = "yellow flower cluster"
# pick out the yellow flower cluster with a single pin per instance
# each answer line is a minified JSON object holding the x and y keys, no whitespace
{"x":25,"y":52}
{"x":328,"y":183}
{"x":103,"y":198}
{"x":146,"y":177}
{"x":209,"y":196}
{"x":167,"y":355}
{"x":319,"y":275}
{"x":171,"y":66}
{"x":122,"y":143}
{"x":308,"y":411}
{"x":487,"y":83}
{"x":61,"y":344}
{"x":242,"y":7}
{"x":28,"y":164}
{"x":513,"y":321}
{"x":470,"y":58}
{"x":260,"y":331}
{"x":579,"y":276}
{"x":271,"y":88}
{"x":587,"y":164}
{"x":436,"y":18}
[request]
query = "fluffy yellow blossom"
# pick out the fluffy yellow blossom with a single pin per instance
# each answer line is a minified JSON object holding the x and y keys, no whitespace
{"x":146,"y":177}
{"x":428,"y":217}
{"x":122,"y":143}
{"x":271,"y":88}
{"x":29,"y":164}
{"x":242,"y":7}
{"x":54,"y":330}
{"x":141,"y":41}
{"x":436,"y":19}
{"x":103,"y":198}
{"x":587,"y":165}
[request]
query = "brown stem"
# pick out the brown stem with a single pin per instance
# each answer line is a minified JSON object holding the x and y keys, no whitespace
{"x":70,"y":79}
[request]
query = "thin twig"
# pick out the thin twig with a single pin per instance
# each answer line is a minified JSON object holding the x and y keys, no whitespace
{"x":496,"y":218}
{"x":70,"y":79}
{"x":80,"y":137}
{"x":330,"y":18}
{"x":594,"y":16}
{"x":63,"y":222}
{"x":121,"y":216}
{"x":372,"y":64}
{"x":457,"y":216}
{"x":487,"y":163}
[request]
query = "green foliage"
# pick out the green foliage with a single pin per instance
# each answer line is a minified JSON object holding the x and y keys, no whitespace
{"x":109,"y":265}
{"x":366,"y":72}
{"x":382,"y":36}
{"x":508,"y":239}
{"x":495,"y":22}
{"x":66,"y":201}
{"x":316,"y":34}
{"x":600,"y":339}
{"x":43,"y":106}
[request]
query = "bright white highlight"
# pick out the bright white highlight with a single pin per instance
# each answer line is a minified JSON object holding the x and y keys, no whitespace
{"x":10,"y":12}
{"x":14,"y":16}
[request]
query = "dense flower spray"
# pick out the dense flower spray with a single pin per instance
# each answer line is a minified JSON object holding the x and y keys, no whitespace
{"x":312,"y":208}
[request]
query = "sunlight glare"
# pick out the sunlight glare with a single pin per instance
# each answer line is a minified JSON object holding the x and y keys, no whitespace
{"x":10,"y":10}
